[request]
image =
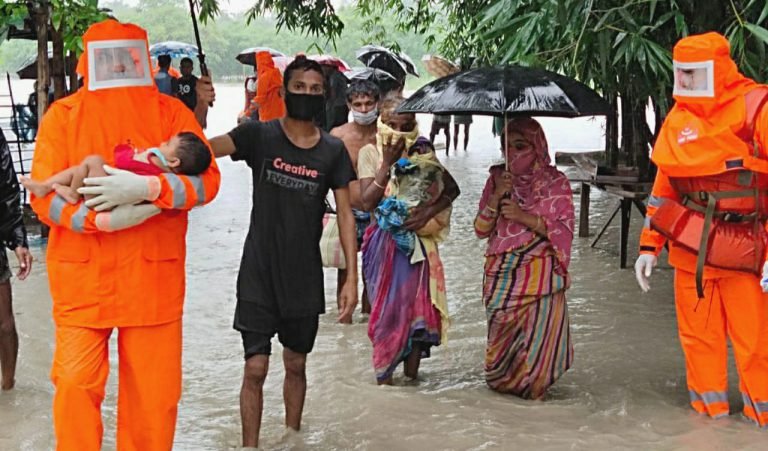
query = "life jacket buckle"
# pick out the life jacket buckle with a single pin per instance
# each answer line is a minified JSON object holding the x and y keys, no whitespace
{"x":703,"y":196}
{"x":733,"y":217}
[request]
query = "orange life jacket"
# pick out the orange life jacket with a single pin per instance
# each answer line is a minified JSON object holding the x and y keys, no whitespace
{"x":721,"y":216}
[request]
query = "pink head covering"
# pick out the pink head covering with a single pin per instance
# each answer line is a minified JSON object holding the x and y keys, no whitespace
{"x":523,"y":162}
{"x":539,"y":188}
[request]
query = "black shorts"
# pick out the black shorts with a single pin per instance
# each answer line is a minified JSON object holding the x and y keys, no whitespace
{"x":296,"y":334}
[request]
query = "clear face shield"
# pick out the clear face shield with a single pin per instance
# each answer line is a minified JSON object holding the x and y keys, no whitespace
{"x":694,"y":79}
{"x":118,"y":64}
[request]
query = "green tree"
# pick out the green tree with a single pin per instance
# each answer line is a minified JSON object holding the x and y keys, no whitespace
{"x":621,"y":47}
{"x":227,"y":35}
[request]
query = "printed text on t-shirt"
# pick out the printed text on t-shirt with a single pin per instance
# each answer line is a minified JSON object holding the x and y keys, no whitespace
{"x":290,"y":176}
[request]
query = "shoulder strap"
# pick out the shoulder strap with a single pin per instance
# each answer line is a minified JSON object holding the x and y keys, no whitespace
{"x":754,"y":100}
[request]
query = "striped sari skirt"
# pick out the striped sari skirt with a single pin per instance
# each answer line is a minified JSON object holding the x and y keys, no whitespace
{"x":529,"y":343}
{"x":402,"y":313}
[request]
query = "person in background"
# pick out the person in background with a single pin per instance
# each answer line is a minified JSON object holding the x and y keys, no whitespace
{"x":185,"y":85}
{"x":250,"y":112}
{"x":363,"y":100}
{"x":441,"y":122}
{"x":466,"y":121}
{"x":14,"y":237}
{"x":336,"y":106}
{"x":268,"y":102}
{"x":163,"y":79}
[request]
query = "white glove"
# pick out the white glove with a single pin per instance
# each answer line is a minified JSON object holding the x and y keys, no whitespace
{"x":764,"y":279}
{"x":643,"y":267}
{"x":125,"y":216}
{"x":119,"y":188}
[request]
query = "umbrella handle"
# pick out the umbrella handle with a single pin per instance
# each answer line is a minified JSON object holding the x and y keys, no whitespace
{"x":204,"y":70}
{"x":200,"y":54}
{"x":504,"y":133}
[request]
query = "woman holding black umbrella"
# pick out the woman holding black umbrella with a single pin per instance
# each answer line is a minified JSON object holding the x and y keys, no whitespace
{"x":526,"y":213}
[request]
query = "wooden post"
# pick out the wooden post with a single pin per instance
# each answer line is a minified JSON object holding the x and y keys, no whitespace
{"x":41,"y":13}
{"x":58,"y":69}
{"x":72,"y":71}
{"x":584,"y":210}
{"x":626,"y":212}
{"x":612,"y":132}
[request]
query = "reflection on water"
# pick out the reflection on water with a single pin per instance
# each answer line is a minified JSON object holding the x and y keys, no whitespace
{"x":626,"y":389}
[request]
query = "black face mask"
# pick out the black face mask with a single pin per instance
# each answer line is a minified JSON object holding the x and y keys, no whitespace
{"x":303,"y":107}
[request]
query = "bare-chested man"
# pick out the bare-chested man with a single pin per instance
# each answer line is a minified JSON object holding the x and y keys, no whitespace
{"x":363,"y":100}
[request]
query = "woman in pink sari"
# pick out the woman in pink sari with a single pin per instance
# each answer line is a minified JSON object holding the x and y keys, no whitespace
{"x":526,"y":213}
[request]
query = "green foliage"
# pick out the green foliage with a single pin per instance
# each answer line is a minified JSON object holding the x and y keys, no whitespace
{"x":314,"y":17}
{"x":72,"y":17}
{"x":450,"y":27}
{"x":224,"y":37}
{"x":11,"y":13}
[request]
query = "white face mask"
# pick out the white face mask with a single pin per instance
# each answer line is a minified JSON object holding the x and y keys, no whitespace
{"x":365,"y":118}
{"x":694,"y":79}
{"x":118,"y":64}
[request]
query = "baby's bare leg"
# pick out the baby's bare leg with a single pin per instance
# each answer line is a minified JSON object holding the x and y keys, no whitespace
{"x":41,"y":189}
{"x":92,"y":166}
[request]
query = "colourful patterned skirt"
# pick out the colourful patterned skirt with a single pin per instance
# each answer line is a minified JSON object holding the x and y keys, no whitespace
{"x":401,"y":308}
{"x":529,"y":342}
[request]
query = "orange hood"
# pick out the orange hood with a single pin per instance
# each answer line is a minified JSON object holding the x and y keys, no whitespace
{"x":729,"y":84}
{"x":699,"y":136}
{"x":112,"y":30}
{"x":264,"y":62}
{"x":97,"y":118}
{"x":268,"y":85}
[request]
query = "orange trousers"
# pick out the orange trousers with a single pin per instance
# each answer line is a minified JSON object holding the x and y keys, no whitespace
{"x":733,"y":308}
{"x":149,"y":386}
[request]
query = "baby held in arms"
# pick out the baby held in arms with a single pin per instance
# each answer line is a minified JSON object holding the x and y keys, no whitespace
{"x":185,"y":153}
{"x":419,"y":182}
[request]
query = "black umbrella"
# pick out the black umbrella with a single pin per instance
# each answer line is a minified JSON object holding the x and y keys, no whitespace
{"x":383,"y":79}
{"x":248,"y":56}
{"x":506,"y":91}
{"x":397,"y":64}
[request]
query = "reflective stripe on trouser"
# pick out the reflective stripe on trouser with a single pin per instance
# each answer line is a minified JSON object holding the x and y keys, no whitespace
{"x":149,"y":386}
{"x":735,"y":308}
{"x":756,"y":411}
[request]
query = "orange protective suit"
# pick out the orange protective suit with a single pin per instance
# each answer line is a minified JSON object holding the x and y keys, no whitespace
{"x":268,"y":85}
{"x":699,"y":139}
{"x":131,"y":279}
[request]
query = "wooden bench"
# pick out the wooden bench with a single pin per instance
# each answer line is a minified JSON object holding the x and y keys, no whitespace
{"x":629,"y":190}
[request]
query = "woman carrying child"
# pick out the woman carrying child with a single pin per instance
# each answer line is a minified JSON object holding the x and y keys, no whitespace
{"x":406,"y":283}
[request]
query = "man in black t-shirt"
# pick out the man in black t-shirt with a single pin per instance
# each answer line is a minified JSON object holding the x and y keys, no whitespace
{"x":280,"y":283}
{"x":184,"y":86}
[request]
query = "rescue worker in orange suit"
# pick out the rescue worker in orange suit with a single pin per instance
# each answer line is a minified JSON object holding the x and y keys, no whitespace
{"x":268,"y":101}
{"x":710,"y":203}
{"x":116,"y":260}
